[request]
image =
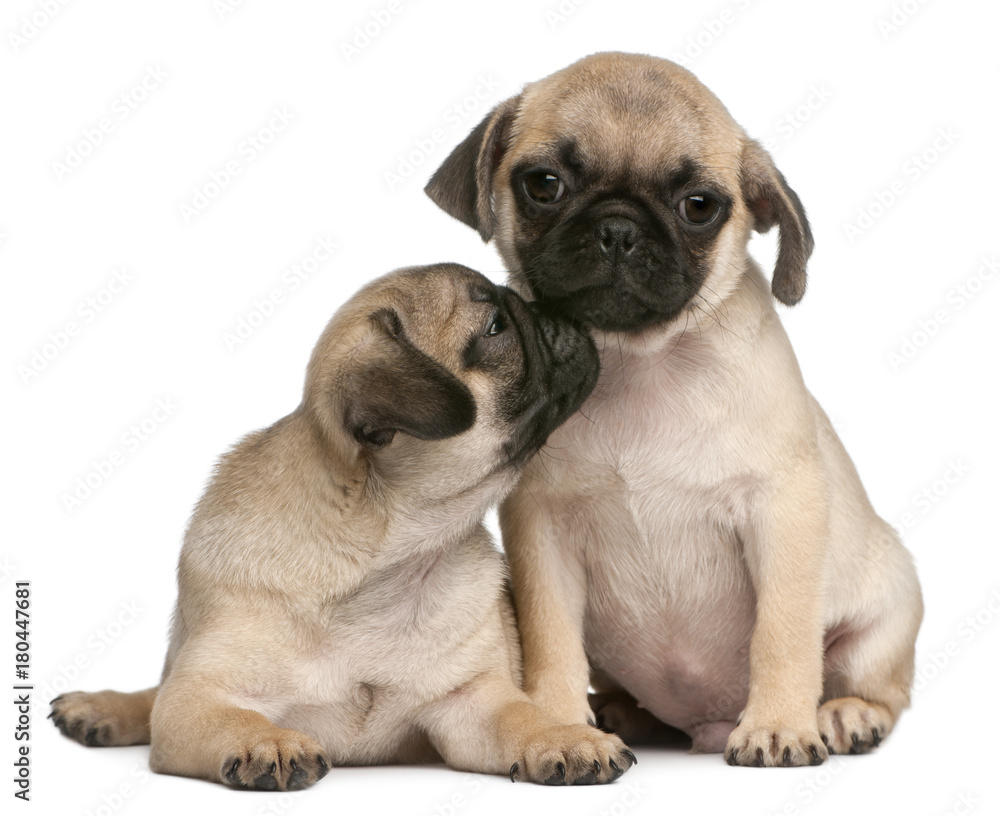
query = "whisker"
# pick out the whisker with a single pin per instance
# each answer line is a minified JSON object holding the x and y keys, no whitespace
{"x":551,"y":480}
{"x":621,"y":357}
{"x":678,"y":340}
{"x":552,"y":456}
{"x":715,"y":316}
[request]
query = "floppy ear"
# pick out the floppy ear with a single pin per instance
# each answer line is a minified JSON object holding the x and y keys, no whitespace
{"x":393,"y":386}
{"x":463,"y":185}
{"x":772,"y":201}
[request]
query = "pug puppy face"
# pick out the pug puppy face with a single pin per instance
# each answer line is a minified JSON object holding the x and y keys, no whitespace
{"x":620,"y":192}
{"x":451,"y":358}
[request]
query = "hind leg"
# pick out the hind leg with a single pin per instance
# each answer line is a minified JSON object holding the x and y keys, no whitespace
{"x":869,"y":672}
{"x":104,"y":718}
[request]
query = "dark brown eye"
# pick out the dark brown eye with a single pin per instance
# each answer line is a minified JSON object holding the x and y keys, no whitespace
{"x":543,"y":187}
{"x":496,"y":326}
{"x":698,"y":209}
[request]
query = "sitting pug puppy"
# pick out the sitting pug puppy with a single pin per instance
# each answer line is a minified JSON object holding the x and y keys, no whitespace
{"x":703,"y":544}
{"x":340,"y":601}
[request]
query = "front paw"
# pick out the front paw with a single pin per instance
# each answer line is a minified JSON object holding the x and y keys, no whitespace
{"x":285,"y":760}
{"x":572,"y":755}
{"x":849,"y":725}
{"x":774,"y":746}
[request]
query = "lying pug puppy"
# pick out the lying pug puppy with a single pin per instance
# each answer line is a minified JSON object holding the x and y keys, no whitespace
{"x":340,"y":601}
{"x":703,"y":544}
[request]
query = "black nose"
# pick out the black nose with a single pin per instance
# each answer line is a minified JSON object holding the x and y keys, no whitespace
{"x":618,"y":236}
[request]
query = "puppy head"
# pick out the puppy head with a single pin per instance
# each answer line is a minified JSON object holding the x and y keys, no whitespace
{"x":437,"y":379}
{"x":620,"y":190}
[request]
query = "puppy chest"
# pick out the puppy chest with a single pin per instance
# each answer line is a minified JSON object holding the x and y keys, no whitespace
{"x":661,"y":568}
{"x":670,"y":606}
{"x":361,"y":694}
{"x":647,"y":434}
{"x":396,"y":645}
{"x":670,"y":620}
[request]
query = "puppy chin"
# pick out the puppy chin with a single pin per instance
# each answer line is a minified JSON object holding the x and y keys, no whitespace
{"x":653,"y":341}
{"x":649,"y":338}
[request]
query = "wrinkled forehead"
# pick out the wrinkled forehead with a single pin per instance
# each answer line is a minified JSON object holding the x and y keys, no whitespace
{"x":641,"y":118}
{"x":440,"y":306}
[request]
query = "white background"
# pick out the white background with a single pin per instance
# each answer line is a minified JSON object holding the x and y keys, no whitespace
{"x":922,"y":428}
